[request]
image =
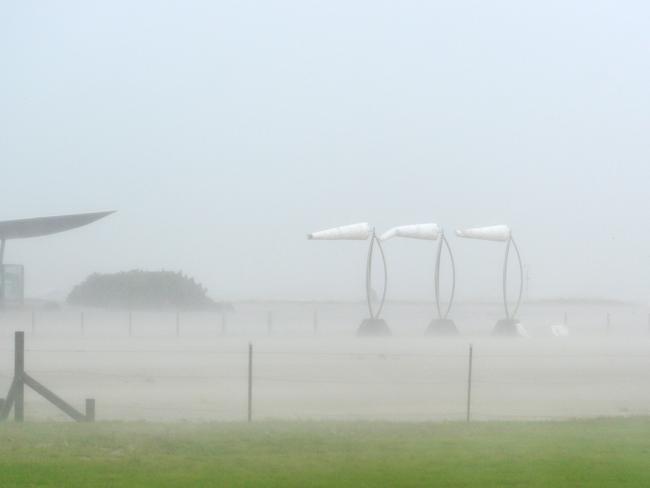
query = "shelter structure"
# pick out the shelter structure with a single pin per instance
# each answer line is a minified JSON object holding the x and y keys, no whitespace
{"x":373,"y":325}
{"x":442,"y":324}
{"x":34,"y":227}
{"x":509,"y":325}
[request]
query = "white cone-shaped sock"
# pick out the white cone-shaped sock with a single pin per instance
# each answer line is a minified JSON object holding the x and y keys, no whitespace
{"x":357,"y":232}
{"x":492,"y":233}
{"x":430,"y":232}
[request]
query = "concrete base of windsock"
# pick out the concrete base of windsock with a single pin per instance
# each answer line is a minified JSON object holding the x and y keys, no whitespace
{"x":442,"y":327}
{"x":373,"y":328}
{"x":509,"y":328}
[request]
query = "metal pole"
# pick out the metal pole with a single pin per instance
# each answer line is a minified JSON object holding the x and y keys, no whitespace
{"x":19,"y":373}
{"x":375,"y":240}
{"x":369,"y":274}
{"x":436,"y":277}
{"x":469,"y":384}
{"x":2,"y":273}
{"x":443,"y":240}
{"x":512,"y":242}
{"x":250,"y":382}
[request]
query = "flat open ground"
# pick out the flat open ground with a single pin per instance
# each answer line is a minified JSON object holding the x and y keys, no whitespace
{"x":607,"y":452}
{"x":149,"y":373}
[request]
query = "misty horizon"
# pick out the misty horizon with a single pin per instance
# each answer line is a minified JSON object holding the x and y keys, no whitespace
{"x":329,"y":114}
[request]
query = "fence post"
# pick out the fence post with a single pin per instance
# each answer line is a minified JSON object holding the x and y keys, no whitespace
{"x":469,"y":385}
{"x":90,"y":409}
{"x":315,"y":321}
{"x":19,"y":375}
{"x":250,"y":382}
{"x":269,"y":322}
{"x":178,"y":324}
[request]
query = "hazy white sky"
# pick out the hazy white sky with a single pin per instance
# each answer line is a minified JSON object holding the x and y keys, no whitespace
{"x":223,"y":132}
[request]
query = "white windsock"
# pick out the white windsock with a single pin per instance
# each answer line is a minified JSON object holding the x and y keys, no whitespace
{"x":492,"y":233}
{"x":358,"y":232}
{"x":430,"y":232}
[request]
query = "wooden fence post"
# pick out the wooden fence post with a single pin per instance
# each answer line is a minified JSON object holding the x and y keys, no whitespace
{"x":250,"y":382}
{"x":16,"y":396}
{"x":469,"y":385}
{"x":90,"y":409}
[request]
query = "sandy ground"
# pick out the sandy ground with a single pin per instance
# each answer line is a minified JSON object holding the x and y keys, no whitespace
{"x":328,"y":373}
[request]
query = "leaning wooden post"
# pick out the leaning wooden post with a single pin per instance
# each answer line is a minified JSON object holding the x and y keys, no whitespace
{"x":90,"y":409}
{"x":19,"y":375}
{"x":250,"y":382}
{"x":469,"y":385}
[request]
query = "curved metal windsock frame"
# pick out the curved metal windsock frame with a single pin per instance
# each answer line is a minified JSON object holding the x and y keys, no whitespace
{"x":444,"y":242}
{"x":430,"y":232}
{"x":374,"y":240}
{"x":504,"y":234}
{"x":361,"y":232}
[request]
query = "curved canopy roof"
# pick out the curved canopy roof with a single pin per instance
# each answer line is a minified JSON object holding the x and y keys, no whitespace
{"x":42,"y":226}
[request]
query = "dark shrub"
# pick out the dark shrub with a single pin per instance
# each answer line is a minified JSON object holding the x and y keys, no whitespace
{"x":141,"y":289}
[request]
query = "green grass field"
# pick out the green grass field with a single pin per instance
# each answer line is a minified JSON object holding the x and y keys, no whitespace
{"x":604,"y":452}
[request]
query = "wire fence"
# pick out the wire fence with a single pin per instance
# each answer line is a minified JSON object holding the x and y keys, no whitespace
{"x":173,"y":366}
{"x":272,"y":319}
{"x":178,"y":383}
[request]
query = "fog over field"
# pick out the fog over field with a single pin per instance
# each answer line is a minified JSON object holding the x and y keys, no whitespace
{"x":302,"y":372}
{"x":223,"y":133}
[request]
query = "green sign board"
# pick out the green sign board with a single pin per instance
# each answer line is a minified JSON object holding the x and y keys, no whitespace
{"x":12,"y":283}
